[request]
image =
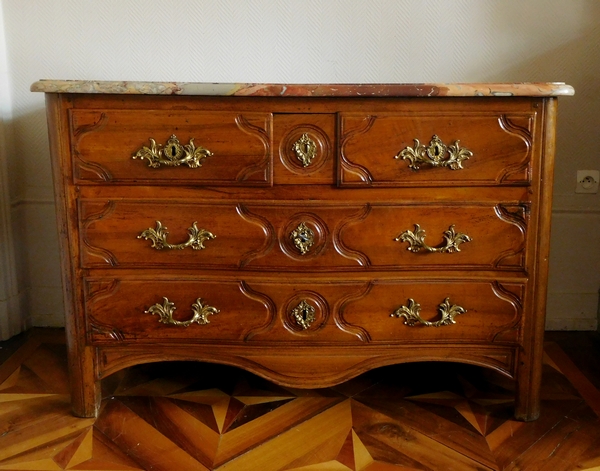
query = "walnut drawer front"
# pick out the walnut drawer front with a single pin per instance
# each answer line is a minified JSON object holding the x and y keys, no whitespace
{"x":301,"y":311}
{"x":171,"y":147}
{"x":450,"y":148}
{"x":391,"y":236}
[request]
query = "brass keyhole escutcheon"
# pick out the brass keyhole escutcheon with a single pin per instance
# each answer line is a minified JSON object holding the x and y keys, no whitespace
{"x":303,"y":314}
{"x":303,"y":238}
{"x":173,"y":154}
{"x":305,"y":149}
{"x":436,"y":154}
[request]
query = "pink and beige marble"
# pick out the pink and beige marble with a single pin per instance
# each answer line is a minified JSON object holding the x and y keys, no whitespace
{"x":263,"y":89}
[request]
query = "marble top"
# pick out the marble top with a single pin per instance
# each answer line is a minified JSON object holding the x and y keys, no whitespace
{"x":321,"y":90}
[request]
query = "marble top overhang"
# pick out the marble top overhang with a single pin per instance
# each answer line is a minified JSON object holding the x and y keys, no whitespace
{"x":305,"y":90}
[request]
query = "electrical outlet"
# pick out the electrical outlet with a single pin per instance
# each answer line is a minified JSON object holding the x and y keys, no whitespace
{"x":587,"y":181}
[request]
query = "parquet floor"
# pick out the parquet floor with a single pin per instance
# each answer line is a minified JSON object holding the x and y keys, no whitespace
{"x":182,"y":416}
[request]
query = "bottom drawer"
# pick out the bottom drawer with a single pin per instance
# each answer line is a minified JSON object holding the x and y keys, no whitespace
{"x":301,"y":310}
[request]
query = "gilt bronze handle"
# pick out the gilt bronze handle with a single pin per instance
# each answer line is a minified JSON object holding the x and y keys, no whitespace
{"x":435,"y":154}
{"x":159,"y":234}
{"x":412,"y":314}
{"x":173,"y":154}
{"x":165,"y":312}
{"x":416,"y":240}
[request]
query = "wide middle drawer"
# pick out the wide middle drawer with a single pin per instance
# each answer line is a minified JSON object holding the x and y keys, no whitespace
{"x":326,"y":237}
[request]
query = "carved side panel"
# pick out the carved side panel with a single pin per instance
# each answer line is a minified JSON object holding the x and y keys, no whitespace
{"x":80,"y":127}
{"x":269,"y":305}
{"x":521,"y":127}
{"x":517,"y":215}
{"x":513,"y":294}
{"x":268,"y":231}
{"x":350,"y":172}
{"x":95,"y":291}
{"x":360,"y":257}
{"x":90,"y":213}
{"x":352,"y":329}
{"x":262,"y":170}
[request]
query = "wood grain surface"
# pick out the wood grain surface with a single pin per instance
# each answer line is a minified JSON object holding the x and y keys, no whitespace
{"x":191,"y":416}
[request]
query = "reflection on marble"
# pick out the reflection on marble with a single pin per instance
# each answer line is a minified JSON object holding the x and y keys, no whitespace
{"x":259,"y":89}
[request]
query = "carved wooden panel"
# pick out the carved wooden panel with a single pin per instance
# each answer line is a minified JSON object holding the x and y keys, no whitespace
{"x":450,"y":236}
{"x":489,"y":310}
{"x":128,"y":310}
{"x":494,"y":148}
{"x":124,"y":233}
{"x":305,"y":145}
{"x":105,"y":141}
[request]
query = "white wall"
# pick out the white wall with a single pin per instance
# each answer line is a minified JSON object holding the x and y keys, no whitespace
{"x":307,"y":41}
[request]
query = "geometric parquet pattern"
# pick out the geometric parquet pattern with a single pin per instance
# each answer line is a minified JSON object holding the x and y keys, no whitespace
{"x":188,"y":416}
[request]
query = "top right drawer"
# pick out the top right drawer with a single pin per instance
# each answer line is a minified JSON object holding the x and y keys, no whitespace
{"x":437,"y":148}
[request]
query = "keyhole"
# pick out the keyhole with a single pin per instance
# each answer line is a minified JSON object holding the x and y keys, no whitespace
{"x":173,"y":151}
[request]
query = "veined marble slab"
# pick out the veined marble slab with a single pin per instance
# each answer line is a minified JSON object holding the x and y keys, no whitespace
{"x":263,"y":89}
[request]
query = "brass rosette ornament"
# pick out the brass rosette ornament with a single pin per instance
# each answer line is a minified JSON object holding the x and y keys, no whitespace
{"x":416,"y":240}
{"x":173,"y":154}
{"x":412,"y":314}
{"x":436,"y":154}
{"x":165,"y":311}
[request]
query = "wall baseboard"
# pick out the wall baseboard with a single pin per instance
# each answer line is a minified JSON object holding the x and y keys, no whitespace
{"x":572,"y":324}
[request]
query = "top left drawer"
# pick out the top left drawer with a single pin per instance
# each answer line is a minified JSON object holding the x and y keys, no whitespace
{"x":170,"y":147}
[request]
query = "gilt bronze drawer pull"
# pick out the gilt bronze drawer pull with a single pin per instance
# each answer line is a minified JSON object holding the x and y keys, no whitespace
{"x":305,"y":149}
{"x":303,"y":314}
{"x":416,"y":240}
{"x":159,"y":234}
{"x":435,"y":154}
{"x":165,"y":312}
{"x":411,"y":314}
{"x":303,"y":238}
{"x":173,"y":154}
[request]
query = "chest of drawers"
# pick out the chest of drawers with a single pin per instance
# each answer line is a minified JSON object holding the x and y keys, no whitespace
{"x":304,"y":233}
